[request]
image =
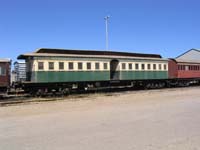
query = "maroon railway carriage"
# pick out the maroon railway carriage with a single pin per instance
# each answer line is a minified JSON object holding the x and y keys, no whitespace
{"x":5,"y":66}
{"x":185,"y":66}
{"x":184,"y":69}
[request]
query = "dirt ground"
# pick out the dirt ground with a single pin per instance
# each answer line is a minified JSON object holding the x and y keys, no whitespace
{"x":138,"y":120}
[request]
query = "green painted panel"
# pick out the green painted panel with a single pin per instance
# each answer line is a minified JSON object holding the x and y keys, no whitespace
{"x":53,"y":76}
{"x":137,"y":75}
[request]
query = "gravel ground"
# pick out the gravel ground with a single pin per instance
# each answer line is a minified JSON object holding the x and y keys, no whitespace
{"x":142,"y":120}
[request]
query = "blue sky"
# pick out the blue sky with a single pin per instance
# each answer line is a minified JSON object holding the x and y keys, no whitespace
{"x":166,"y":27}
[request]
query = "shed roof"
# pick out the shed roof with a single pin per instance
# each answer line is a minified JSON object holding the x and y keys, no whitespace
{"x":192,"y":55}
{"x":97,"y":53}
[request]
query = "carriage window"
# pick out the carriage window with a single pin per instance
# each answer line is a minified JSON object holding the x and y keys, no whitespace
{"x":186,"y":67}
{"x":40,"y":65}
{"x":80,"y":66}
{"x":160,"y":67}
{"x":183,"y":67}
{"x":180,"y":67}
{"x":165,"y":67}
{"x":61,"y":65}
{"x":71,"y":65}
{"x":143,"y":66}
{"x":136,"y":66}
{"x":105,"y":66}
{"x":2,"y":71}
{"x":123,"y":66}
{"x":51,"y":65}
{"x":97,"y":66}
{"x":88,"y":66}
{"x":130,"y":66}
{"x":154,"y":66}
{"x":149,"y":66}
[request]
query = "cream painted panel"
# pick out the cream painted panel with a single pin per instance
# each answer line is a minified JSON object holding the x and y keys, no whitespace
{"x":101,"y":63}
{"x":146,"y":66}
{"x":66,"y":65}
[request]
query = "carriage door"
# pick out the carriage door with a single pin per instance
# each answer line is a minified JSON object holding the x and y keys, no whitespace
{"x":114,"y":73}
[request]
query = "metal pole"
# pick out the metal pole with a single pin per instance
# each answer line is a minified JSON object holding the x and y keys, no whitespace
{"x":106,"y":21}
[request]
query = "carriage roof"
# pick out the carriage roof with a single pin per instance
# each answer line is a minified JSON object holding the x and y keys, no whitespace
{"x":87,"y":53}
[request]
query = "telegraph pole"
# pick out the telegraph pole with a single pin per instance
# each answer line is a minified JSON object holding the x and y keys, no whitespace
{"x":106,"y":21}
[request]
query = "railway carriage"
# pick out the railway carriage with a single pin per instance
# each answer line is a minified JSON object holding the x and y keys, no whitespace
{"x":61,"y":69}
{"x":185,"y":69}
{"x":5,"y":66}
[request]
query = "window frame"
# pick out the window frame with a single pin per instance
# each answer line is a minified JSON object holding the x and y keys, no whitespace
{"x":160,"y":66}
{"x":130,"y":66}
{"x":97,"y":66}
{"x":142,"y":66}
{"x":136,"y":66}
{"x":51,"y":65}
{"x":39,"y":63}
{"x":105,"y":66}
{"x":123,"y":66}
{"x":149,"y":66}
{"x":165,"y":67}
{"x":80,"y":65}
{"x":154,"y":67}
{"x":88,"y":65}
{"x":2,"y":71}
{"x":63,"y":65}
{"x":71,"y":65}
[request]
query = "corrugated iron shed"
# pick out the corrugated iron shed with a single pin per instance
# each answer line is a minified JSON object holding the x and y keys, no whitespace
{"x":192,"y":55}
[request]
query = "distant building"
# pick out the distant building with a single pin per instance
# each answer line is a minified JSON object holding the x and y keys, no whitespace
{"x":13,"y":76}
{"x":19,"y":72}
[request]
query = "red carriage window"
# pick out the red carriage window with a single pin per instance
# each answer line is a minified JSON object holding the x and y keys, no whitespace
{"x":183,"y":67}
{"x":186,"y":67}
{"x":179,"y":67}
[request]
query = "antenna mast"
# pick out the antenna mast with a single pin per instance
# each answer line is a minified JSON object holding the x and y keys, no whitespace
{"x":106,"y":21}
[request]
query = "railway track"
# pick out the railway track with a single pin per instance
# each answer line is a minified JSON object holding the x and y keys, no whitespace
{"x":14,"y":99}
